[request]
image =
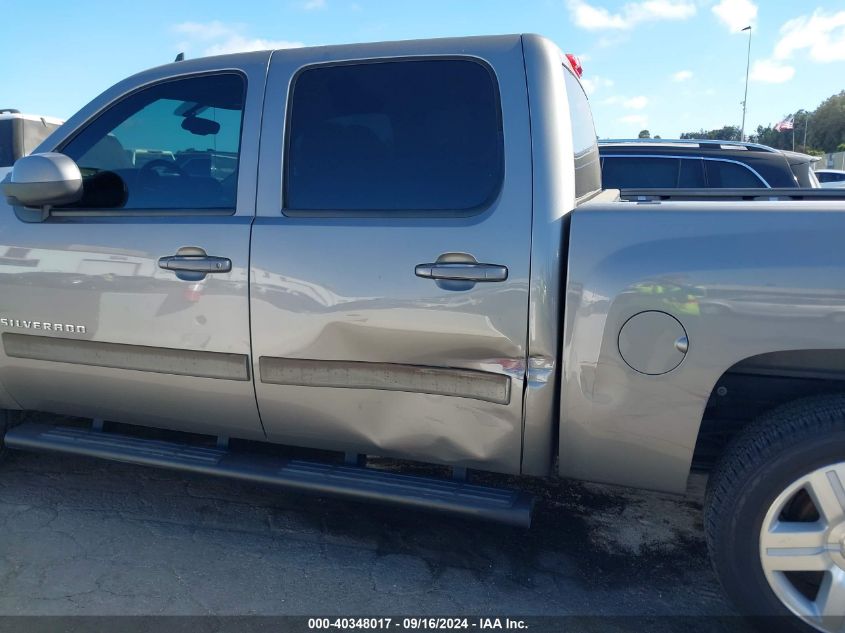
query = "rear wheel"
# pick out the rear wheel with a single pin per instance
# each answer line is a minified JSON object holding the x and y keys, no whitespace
{"x":775,"y":516}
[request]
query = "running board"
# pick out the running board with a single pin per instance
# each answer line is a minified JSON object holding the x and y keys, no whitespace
{"x":512,"y":507}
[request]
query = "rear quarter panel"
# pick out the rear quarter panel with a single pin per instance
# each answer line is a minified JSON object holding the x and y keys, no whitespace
{"x":742,"y":278}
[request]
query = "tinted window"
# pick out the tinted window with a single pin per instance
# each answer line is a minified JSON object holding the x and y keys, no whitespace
{"x":7,"y":150}
{"x":639,"y":172}
{"x":34,"y":132}
{"x":408,"y":135}
{"x":828,"y":177}
{"x":730,"y":175}
{"x":174,"y":145}
{"x":692,"y":174}
{"x":587,"y":168}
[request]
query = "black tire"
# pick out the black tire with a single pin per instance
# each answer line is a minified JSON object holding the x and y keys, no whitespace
{"x":766,"y":457}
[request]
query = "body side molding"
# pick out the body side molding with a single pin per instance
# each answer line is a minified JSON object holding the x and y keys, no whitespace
{"x":443,"y":381}
{"x":162,"y":360}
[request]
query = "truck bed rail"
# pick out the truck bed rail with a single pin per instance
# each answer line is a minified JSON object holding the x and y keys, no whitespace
{"x":653,"y":195}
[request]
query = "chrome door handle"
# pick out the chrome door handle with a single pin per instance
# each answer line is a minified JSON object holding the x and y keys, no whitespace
{"x":462,"y":271}
{"x":196,"y":263}
{"x":191,"y":263}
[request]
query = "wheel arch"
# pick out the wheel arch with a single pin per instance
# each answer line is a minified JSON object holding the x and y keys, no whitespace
{"x":758,"y":384}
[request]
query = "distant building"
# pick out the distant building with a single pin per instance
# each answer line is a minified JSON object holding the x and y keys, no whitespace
{"x":831,"y":161}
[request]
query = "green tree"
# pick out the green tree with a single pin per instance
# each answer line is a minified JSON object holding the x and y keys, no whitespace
{"x":644,"y":134}
{"x":726,"y":133}
{"x":825,"y":127}
{"x":827,"y":124}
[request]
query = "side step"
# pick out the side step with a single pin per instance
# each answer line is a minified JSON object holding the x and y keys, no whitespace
{"x":512,"y":507}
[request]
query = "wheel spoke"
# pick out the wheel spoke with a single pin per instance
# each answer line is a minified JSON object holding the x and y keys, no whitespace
{"x":830,"y":601}
{"x":813,"y":558}
{"x":794,"y":534}
{"x":825,"y":487}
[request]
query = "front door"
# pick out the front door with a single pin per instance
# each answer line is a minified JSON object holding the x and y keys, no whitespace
{"x":390,"y":280}
{"x":105,"y":309}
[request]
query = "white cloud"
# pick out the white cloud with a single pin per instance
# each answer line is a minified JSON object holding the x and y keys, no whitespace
{"x":635,"y":103}
{"x":660,"y":10}
{"x":736,"y":14}
{"x":218,"y":38}
{"x":311,"y":5}
{"x":821,"y":34}
{"x":682,"y":75}
{"x":640,"y":120}
{"x":595,"y":18}
{"x":591,"y":84}
{"x":771,"y":71}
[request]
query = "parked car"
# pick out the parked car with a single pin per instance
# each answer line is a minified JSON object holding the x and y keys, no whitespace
{"x":831,"y":178}
{"x":670,"y":164}
{"x":20,"y":134}
{"x":802,"y":167}
{"x":417,"y":261}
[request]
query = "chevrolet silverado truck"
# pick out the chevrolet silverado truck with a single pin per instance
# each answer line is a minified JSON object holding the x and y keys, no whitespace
{"x":403,"y":250}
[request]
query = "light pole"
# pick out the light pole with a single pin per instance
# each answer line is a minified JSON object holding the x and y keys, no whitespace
{"x":745,"y":98}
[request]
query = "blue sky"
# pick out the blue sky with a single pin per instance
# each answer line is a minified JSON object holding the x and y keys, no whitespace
{"x":666,"y":65}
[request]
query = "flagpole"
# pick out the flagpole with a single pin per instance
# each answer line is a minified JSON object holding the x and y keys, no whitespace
{"x":745,"y":98}
{"x":806,"y":125}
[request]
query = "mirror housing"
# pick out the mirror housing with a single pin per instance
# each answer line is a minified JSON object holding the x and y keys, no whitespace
{"x":200,"y":126}
{"x":43,"y":180}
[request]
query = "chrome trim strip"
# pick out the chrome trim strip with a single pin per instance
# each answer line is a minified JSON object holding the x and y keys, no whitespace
{"x":441,"y":381}
{"x":722,"y":160}
{"x":160,"y":360}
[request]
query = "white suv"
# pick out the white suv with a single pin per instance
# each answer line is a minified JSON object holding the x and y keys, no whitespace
{"x":834,"y":178}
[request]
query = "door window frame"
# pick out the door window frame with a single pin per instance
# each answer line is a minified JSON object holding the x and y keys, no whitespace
{"x":61,"y":214}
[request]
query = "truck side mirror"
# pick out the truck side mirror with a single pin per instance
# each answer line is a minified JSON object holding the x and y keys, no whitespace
{"x":43,"y":180}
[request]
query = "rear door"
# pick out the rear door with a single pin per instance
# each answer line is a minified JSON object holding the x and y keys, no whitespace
{"x":102,"y":309}
{"x":390,"y":254}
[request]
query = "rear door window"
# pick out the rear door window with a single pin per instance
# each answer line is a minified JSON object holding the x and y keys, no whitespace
{"x":410,"y":135}
{"x":692,"y":174}
{"x":724,"y":175}
{"x":7,"y":148}
{"x":639,"y":172}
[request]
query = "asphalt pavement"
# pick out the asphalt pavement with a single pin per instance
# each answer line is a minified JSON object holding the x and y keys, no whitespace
{"x":86,"y":537}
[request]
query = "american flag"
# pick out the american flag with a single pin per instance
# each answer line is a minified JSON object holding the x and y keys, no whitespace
{"x":787,"y":124}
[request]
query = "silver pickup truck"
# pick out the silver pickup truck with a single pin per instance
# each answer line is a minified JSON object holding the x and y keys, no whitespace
{"x":402,"y":250}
